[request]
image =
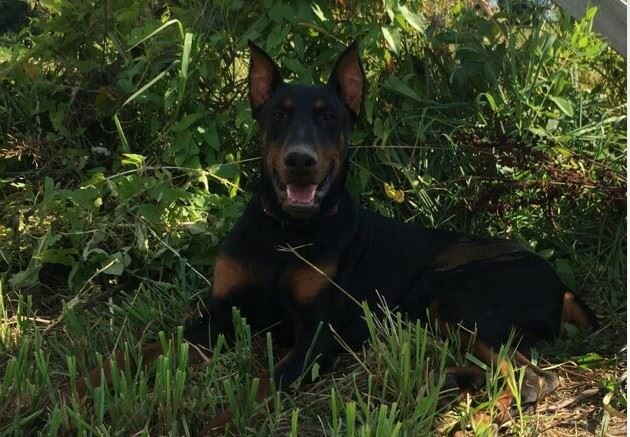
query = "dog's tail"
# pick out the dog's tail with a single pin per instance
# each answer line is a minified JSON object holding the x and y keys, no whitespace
{"x":576,"y":312}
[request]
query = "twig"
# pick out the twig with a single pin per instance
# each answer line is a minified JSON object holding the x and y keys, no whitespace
{"x":570,"y":401}
{"x":293,"y":250}
{"x":14,"y":320}
{"x":348,"y":349}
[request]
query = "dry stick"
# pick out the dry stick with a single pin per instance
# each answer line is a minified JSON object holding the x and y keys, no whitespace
{"x":348,"y":349}
{"x":173,"y":167}
{"x":570,"y":401}
{"x":321,"y":30}
{"x":293,"y":250}
{"x":14,"y":320}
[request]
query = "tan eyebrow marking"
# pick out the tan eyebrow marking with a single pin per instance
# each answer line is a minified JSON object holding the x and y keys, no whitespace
{"x":319,"y":104}
{"x":287,"y":104}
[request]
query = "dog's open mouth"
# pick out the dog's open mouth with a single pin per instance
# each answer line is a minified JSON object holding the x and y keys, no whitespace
{"x":302,"y":195}
{"x":299,"y":198}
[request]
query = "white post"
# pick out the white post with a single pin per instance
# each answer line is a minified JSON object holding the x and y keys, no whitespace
{"x":611,"y":19}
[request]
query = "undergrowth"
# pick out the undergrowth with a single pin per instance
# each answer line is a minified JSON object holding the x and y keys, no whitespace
{"x":127,"y":150}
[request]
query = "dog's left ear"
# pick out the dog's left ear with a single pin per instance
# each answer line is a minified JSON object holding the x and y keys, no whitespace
{"x":348,"y":79}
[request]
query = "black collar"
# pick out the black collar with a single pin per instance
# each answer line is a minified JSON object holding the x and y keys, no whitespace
{"x":283,"y":221}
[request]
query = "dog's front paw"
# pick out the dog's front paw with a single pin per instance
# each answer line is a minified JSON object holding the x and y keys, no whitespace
{"x":537,"y":384}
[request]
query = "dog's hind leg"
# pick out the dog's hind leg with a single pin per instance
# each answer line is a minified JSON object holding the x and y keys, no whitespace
{"x":537,"y":383}
{"x":575,"y":312}
{"x":99,"y":376}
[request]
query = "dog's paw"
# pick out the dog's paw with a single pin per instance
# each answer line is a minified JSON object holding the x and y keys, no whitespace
{"x":537,"y":384}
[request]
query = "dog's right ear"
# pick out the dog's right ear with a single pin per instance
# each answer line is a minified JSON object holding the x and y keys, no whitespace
{"x":264,"y":76}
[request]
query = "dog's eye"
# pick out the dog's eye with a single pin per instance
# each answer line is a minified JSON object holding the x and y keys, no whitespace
{"x":280,"y":115}
{"x":327,"y":116}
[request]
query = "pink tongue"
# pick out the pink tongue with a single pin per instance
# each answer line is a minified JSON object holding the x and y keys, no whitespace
{"x":304,"y":194}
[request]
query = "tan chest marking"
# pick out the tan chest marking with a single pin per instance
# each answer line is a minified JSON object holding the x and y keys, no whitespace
{"x":307,"y":282}
{"x":230,"y":275}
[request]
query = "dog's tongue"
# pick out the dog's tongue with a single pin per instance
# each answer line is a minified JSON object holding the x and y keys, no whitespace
{"x":304,"y":194}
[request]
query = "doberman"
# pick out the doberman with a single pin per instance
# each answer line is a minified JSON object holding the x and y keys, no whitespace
{"x":490,"y":286}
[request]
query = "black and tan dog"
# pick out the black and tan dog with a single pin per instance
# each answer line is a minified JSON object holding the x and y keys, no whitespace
{"x":491,"y":286}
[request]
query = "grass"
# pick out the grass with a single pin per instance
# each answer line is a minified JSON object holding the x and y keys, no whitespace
{"x":127,"y":151}
{"x":391,"y":387}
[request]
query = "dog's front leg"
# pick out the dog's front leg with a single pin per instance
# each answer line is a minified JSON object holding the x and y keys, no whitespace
{"x":234,"y":285}
{"x":313,"y":344}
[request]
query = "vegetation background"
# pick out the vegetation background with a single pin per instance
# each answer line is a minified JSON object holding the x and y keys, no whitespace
{"x":127,"y":150}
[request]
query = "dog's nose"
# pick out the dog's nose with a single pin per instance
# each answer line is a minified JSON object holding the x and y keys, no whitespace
{"x":300,"y":159}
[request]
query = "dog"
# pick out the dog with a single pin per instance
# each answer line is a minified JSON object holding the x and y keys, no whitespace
{"x":304,"y":255}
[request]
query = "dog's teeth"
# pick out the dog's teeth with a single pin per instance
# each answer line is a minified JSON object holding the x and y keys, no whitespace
{"x":304,"y":194}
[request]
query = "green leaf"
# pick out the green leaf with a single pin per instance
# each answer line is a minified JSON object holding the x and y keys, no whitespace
{"x":414,"y":20}
{"x":546,"y":253}
{"x":552,"y":124}
{"x":277,"y":12}
{"x":64,"y":257}
{"x":566,"y":273}
{"x":211,"y":136}
{"x":196,"y":227}
{"x":183,"y":72}
{"x":537,"y":130}
{"x":133,"y":159}
{"x":26,"y":277}
{"x":401,"y":87}
{"x":121,"y":132}
{"x":115,"y":264}
{"x":583,"y":42}
{"x":591,"y":12}
{"x":589,"y":361}
{"x":187,"y":121}
{"x":317,"y":10}
{"x":49,"y":189}
{"x":490,"y":99}
{"x":560,"y":150}
{"x":129,"y":186}
{"x":180,"y":26}
{"x":84,"y":197}
{"x":149,"y":84}
{"x":315,"y":372}
{"x":389,"y":37}
{"x":563,"y":104}
{"x":150,"y":213}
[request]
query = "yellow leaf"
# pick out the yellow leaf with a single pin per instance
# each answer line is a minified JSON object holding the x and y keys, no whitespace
{"x":397,"y":196}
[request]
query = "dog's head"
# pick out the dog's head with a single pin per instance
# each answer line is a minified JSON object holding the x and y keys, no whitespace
{"x":304,"y":130}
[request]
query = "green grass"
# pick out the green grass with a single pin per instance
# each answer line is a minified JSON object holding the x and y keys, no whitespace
{"x":127,"y":150}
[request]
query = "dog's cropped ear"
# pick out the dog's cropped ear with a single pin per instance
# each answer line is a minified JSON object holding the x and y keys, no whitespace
{"x":348,"y":79}
{"x":264,"y":76}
